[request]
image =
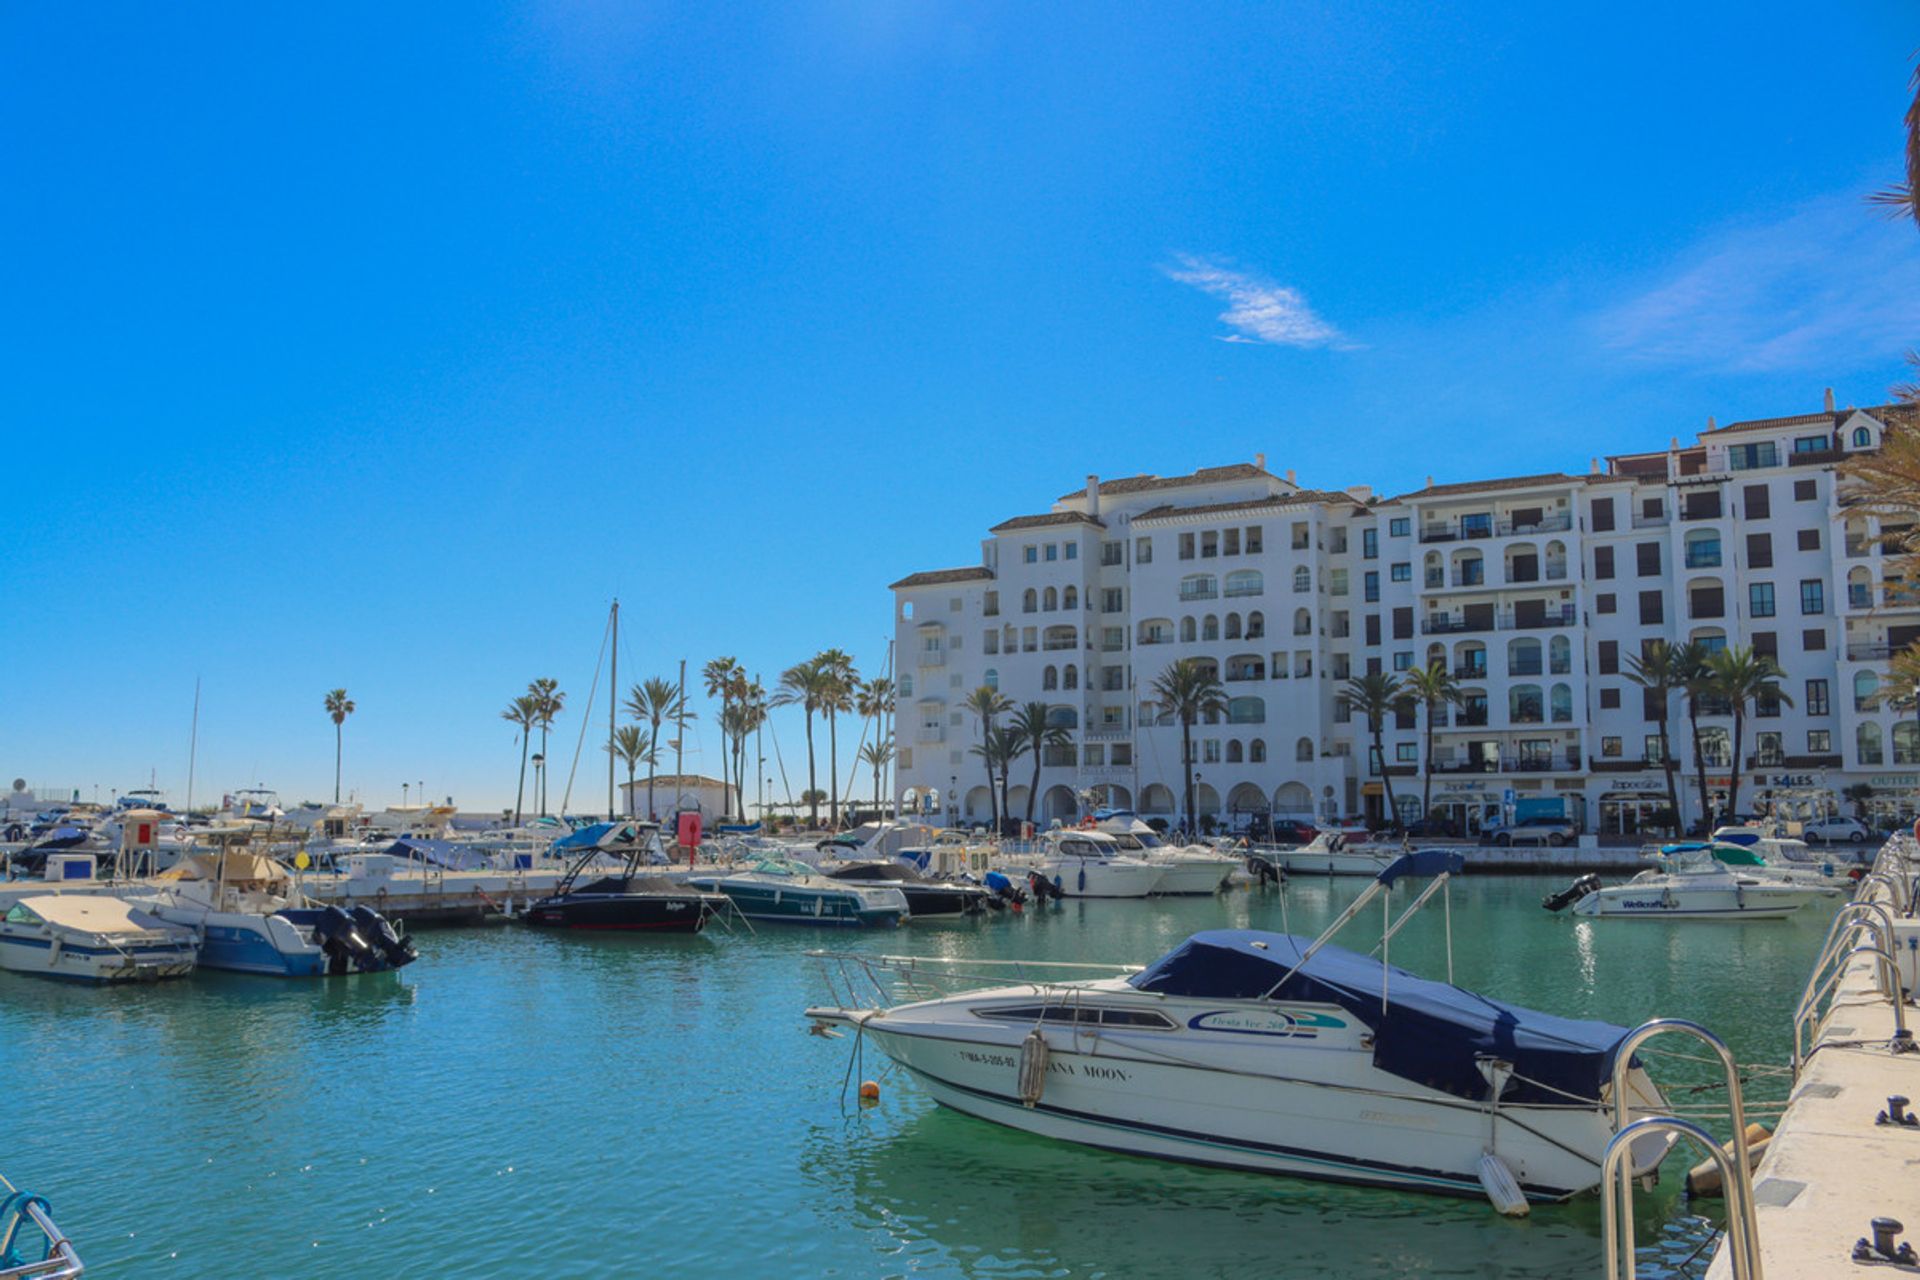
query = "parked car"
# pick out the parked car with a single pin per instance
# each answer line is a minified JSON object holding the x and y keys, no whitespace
{"x":1431,"y":826}
{"x":1548,"y":831}
{"x":1834,"y":830}
{"x":1293,"y":831}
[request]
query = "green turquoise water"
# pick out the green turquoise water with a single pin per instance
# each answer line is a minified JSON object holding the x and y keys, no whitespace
{"x":519,"y":1103}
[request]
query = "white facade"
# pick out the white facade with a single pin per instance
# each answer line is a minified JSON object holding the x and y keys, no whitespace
{"x":673,"y":794}
{"x":1535,"y":590}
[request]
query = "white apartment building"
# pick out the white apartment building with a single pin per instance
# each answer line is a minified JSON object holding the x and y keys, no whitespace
{"x":1534,"y":590}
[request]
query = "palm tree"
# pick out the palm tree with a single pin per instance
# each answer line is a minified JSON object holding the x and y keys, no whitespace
{"x":750,"y":713}
{"x":1029,"y":725}
{"x":987,"y":704}
{"x":722,"y":677}
{"x":547,"y":697}
{"x":1190,"y":689}
{"x":878,"y":754}
{"x":633,"y":746}
{"x":1431,"y":686}
{"x":1003,"y":748}
{"x":1377,"y":695}
{"x":836,"y":696}
{"x":339,"y":706}
{"x":525,"y":713}
{"x":804,"y":685}
{"x":872,"y":701}
{"x":1690,"y":673}
{"x":1741,"y":679}
{"x":1904,"y":197}
{"x":656,"y":701}
{"x":1657,"y":672}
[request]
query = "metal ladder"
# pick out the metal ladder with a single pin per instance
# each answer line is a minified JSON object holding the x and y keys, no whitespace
{"x":1616,"y":1168}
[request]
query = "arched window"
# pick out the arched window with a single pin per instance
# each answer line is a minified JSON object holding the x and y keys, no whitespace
{"x":1049,"y":678}
{"x":1523,"y":657}
{"x":1233,"y":626}
{"x":1869,"y":742}
{"x":1703,"y":549}
{"x":1862,"y":438}
{"x":1560,"y":656}
{"x":1063,"y":718}
{"x":1256,"y":625}
{"x":1303,"y":750}
{"x":993,"y":679}
{"x":1906,"y":742}
{"x":1245,"y":582}
{"x":1247,"y":711}
{"x":1866,"y":690}
{"x":1009,"y":638}
{"x":1070,"y":677}
{"x":1199,"y":586}
{"x":1052,"y":599}
{"x":1029,"y":600}
{"x":1302,"y":622}
{"x":1070,"y":598}
{"x":1257,"y":751}
{"x":1525,"y":704}
{"x":1302,"y":579}
{"x":1189,"y":632}
{"x":1210,"y":628}
{"x":1562,"y":704}
{"x":1233,"y":752}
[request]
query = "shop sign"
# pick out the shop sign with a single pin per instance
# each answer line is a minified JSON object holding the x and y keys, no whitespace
{"x":1637,"y":784}
{"x":1892,"y":780}
{"x":1789,"y":779}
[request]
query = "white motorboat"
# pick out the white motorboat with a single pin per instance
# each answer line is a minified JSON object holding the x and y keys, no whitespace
{"x":1086,"y":864}
{"x":1328,"y":854}
{"x":1266,"y":1052}
{"x":1694,"y":885}
{"x":1185,"y":869}
{"x":92,"y":937}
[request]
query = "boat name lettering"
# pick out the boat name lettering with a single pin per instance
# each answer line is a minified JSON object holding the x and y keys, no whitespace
{"x":1300,"y":1024}
{"x":1646,"y":904}
{"x":989,"y":1059}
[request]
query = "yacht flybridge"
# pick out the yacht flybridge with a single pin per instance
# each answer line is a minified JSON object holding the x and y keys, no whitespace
{"x":1266,"y":1052}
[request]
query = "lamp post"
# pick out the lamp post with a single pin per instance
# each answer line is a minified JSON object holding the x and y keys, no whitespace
{"x":539,"y":764}
{"x":953,"y":805}
{"x":406,"y":790}
{"x":1193,"y":819}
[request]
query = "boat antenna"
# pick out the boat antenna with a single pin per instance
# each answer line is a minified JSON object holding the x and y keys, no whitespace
{"x":613,"y":707}
{"x":680,"y":743}
{"x":760,"y":761}
{"x":586,"y":718}
{"x":193,"y":744}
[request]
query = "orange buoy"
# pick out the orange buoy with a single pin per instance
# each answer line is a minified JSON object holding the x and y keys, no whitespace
{"x":869,"y":1091}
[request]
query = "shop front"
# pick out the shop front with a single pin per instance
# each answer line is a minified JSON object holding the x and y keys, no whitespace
{"x":1471,"y":807}
{"x":1635,"y":807}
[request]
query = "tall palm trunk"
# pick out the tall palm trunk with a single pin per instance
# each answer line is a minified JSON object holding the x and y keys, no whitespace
{"x":725,"y":764}
{"x":543,"y":770}
{"x":1426,"y":789}
{"x":1733,"y":769}
{"x":1668,"y":765}
{"x":833,"y":770}
{"x":1034,"y":790}
{"x":876,"y":791}
{"x":336,"y":762}
{"x":813,"y":790}
{"x":1699,"y":763}
{"x":1386,"y":779}
{"x":653,"y":768}
{"x":1186,"y":763}
{"x":520,"y":793}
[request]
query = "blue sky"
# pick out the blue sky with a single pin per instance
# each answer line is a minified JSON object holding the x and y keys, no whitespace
{"x":381,"y":346}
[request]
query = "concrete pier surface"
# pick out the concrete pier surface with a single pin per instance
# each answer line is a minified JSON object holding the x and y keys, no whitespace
{"x":1831,"y":1167}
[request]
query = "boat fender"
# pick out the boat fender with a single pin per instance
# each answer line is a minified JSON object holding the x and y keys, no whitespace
{"x":1033,"y":1067}
{"x":1083,"y":880}
{"x":869,"y":1092}
{"x":1502,"y":1188}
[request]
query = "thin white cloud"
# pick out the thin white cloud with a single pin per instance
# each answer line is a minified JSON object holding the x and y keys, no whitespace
{"x":1259,"y":311}
{"x":1830,"y":284}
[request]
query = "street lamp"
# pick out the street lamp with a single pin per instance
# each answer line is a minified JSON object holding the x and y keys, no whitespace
{"x":953,"y":807}
{"x":539,"y":763}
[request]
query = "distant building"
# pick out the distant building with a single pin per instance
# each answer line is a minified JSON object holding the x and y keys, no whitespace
{"x":1535,"y":591}
{"x":673,"y":793}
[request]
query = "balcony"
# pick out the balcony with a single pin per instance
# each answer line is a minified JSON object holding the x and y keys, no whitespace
{"x":1643,"y":521}
{"x":1059,"y":646}
{"x":1469,"y":673}
{"x":1198,"y":593}
{"x":1815,"y":457}
{"x":1471,"y":719}
{"x":1703,"y":559}
{"x":1869,"y":651}
{"x":1453,"y":531}
{"x":933,"y":658}
{"x":1449,"y":624}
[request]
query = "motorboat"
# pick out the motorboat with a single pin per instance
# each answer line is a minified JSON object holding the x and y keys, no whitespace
{"x":92,"y":937}
{"x":1265,"y":1052}
{"x":789,"y":892}
{"x":1086,"y":864}
{"x":1186,"y":869}
{"x":1692,"y":885}
{"x":626,"y":901}
{"x":926,"y":895}
{"x":250,"y":919}
{"x":1790,"y":861}
{"x":1328,"y":854}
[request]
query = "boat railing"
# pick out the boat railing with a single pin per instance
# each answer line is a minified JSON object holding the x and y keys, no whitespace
{"x":856,"y":980}
{"x":1616,"y":1168}
{"x":1836,"y":954}
{"x":60,"y":1260}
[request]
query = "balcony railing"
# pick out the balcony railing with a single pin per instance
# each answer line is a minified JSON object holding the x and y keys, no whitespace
{"x":1815,"y":457}
{"x":1199,"y":593}
{"x":1456,"y":532}
{"x":1871,"y":651}
{"x":1643,"y":521}
{"x":1704,"y":559}
{"x":933,"y":658}
{"x":1469,"y":673}
{"x":1446,"y":624}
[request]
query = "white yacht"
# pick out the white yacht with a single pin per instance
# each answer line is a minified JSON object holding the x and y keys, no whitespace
{"x":1694,"y":885}
{"x":1267,"y":1052}
{"x":92,"y":937}
{"x":1187,"y":869}
{"x":1328,"y":854}
{"x":1087,"y":864}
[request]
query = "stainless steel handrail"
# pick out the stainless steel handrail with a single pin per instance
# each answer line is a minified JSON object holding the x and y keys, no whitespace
{"x":1616,"y":1219}
{"x":1741,"y":1226}
{"x":1890,"y":977}
{"x":1856,"y":917}
{"x":62,"y":1261}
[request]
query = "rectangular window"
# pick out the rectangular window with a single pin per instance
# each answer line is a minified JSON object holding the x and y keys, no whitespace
{"x":1813,"y":596}
{"x":1255,"y":540}
{"x":1706,"y":602}
{"x":1373,"y":628}
{"x":1608,"y":653}
{"x":1032,"y":555}
{"x":1609,"y":699}
{"x":990,"y":642}
{"x":1652,"y":748}
{"x":1403,"y":662}
{"x":1815,"y":640}
{"x":1610,"y":747}
{"x":1406,"y":752}
{"x":1400,"y":526}
{"x":1754,"y":500}
{"x":1810,"y":444}
{"x":1230,"y":543}
{"x":1073,"y":551}
{"x":1653,"y":509}
{"x":1819,"y":742}
{"x":1809,"y":539}
{"x":1605,"y":602}
{"x":1701,"y":505}
{"x":1186,"y":546}
{"x":1760,"y":599}
{"x":1210,"y":751}
{"x":1053,"y":551}
{"x":1369,"y":544}
{"x":1143,"y":550}
{"x":1816,"y":700}
{"x":1767,"y":706}
{"x":1602,"y":515}
{"x":1759,"y":551}
{"x":1647,"y":559}
{"x":1111,"y":600}
{"x":1338,"y":541}
{"x":1400,"y":573}
{"x":1767,"y":749}
{"x":1403,"y":624}
{"x":1805,"y":491}
{"x":992,"y":608}
{"x":1372,"y":586}
{"x":1766,"y":644}
{"x":1603,"y":562}
{"x":1747,"y":457}
{"x":1336,"y":582}
{"x":1110,"y":554}
{"x":1652,"y":608}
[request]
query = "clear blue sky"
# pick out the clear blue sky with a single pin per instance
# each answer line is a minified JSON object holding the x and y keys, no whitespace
{"x":380,"y":346}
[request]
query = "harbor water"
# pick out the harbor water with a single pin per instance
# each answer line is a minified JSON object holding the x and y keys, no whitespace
{"x":522,"y":1103}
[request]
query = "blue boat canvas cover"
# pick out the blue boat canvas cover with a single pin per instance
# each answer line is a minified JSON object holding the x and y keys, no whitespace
{"x":1428,"y":1032}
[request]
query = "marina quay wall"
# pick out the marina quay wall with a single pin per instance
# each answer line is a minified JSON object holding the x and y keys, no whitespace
{"x":1535,"y":591}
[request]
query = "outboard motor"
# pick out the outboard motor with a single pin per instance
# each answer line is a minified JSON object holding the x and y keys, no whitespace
{"x":1571,"y":894}
{"x":1003,"y":892}
{"x":1265,"y":871}
{"x":341,"y":941}
{"x":396,"y":951}
{"x":1043,"y":889}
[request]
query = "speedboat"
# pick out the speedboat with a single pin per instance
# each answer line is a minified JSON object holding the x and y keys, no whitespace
{"x":1789,"y":861}
{"x":925,"y":895}
{"x":1186,"y":869}
{"x":1328,"y":854}
{"x":625,"y":901}
{"x":1087,"y":864}
{"x":790,"y":892}
{"x":250,"y":919}
{"x":92,"y":937}
{"x":1694,"y":885}
{"x":1271,"y":1053}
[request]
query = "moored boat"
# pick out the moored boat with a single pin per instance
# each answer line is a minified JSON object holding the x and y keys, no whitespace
{"x":925,"y":895}
{"x":1087,"y":864}
{"x":92,"y":937}
{"x":1693,"y":885}
{"x":790,"y":892}
{"x":1328,"y":854}
{"x":625,"y":901}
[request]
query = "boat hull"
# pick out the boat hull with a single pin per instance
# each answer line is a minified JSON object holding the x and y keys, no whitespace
{"x":1193,"y":876}
{"x":45,"y":957}
{"x":825,"y":908}
{"x":1088,"y":878}
{"x":622,"y":913}
{"x":1759,"y":902}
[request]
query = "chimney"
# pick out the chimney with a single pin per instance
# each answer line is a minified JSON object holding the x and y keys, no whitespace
{"x":1429,"y":482}
{"x":1260,"y":461}
{"x":1290,"y":478}
{"x":1093,"y":496}
{"x":1829,"y":399}
{"x":1593,"y":466}
{"x":1361,"y":493}
{"x":1710,"y":424}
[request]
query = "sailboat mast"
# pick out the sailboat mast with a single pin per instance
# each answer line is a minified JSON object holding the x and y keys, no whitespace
{"x":680,"y":737}
{"x":193,"y":742}
{"x":613,"y":705}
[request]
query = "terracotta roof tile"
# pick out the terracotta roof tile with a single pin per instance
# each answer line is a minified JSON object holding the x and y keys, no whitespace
{"x":1050,"y":518}
{"x":1142,"y":484}
{"x":1488,"y":486}
{"x":934,"y":577}
{"x":1305,"y":497}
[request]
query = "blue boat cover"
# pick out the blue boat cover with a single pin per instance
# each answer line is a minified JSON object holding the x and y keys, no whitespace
{"x":1429,"y":1032}
{"x":1424,"y":863}
{"x":593,"y":836}
{"x":438,"y":853}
